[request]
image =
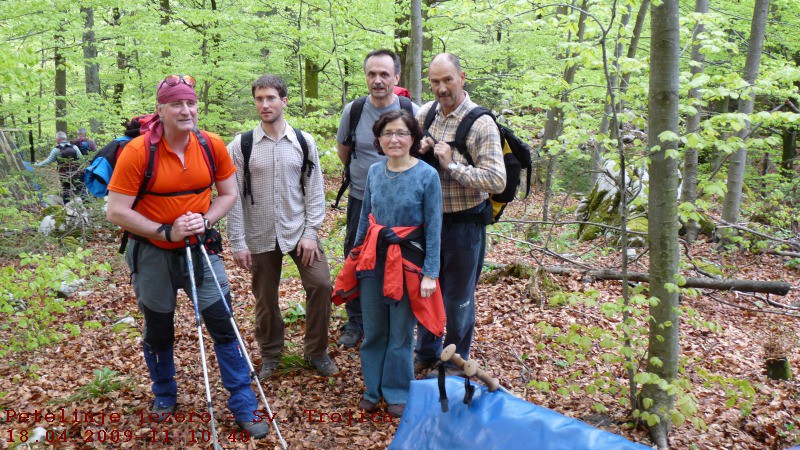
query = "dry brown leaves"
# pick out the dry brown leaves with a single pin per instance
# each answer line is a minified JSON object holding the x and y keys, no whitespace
{"x":315,"y":412}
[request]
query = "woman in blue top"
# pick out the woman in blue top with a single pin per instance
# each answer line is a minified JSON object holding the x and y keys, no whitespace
{"x":400,"y":191}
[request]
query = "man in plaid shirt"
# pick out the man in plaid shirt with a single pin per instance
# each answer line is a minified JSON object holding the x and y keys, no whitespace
{"x":465,"y":204}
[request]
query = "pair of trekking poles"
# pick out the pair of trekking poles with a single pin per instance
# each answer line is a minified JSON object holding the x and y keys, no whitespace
{"x":242,"y":347}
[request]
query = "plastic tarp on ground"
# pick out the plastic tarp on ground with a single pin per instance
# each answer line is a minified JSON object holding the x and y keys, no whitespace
{"x":495,"y":420}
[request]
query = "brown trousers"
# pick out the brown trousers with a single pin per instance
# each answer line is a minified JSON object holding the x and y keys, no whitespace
{"x":316,"y":281}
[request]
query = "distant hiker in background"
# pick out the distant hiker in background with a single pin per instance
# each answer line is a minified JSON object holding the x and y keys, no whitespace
{"x":162,"y":220}
{"x":279,"y":211}
{"x":357,"y":152}
{"x":98,"y":174}
{"x":83,"y":143}
{"x":69,"y":159}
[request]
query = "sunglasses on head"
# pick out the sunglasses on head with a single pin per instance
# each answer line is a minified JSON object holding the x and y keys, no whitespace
{"x":173,"y":80}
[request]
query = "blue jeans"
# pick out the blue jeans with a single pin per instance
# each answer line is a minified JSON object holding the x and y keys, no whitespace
{"x":387,"y":352}
{"x":463,"y":248}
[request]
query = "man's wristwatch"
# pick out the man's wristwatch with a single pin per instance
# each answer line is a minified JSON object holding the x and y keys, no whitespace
{"x":452,"y":166}
{"x":207,"y":223}
{"x":167,"y":229}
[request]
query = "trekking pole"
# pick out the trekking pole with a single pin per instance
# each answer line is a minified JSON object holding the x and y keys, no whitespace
{"x":200,"y":339}
{"x":253,"y":375}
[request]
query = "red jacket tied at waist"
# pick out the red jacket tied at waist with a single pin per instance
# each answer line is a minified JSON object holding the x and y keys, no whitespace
{"x":402,"y":272}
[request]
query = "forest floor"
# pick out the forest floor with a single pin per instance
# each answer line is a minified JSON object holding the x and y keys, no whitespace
{"x":741,"y":407}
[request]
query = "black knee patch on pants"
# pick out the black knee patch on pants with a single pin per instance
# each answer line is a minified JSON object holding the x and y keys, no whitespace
{"x":218,"y":322}
{"x":159,"y":329}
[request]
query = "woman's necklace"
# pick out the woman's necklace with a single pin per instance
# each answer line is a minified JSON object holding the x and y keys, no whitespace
{"x":386,"y":171}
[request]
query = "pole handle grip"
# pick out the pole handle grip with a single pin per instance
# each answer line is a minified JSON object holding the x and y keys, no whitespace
{"x":471,"y":369}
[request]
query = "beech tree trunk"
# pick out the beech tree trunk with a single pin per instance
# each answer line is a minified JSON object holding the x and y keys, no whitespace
{"x":60,"y":85}
{"x":555,"y":116}
{"x":689,"y":186}
{"x":662,"y":213}
{"x":733,"y":198}
{"x":414,"y":57}
{"x":90,"y":68}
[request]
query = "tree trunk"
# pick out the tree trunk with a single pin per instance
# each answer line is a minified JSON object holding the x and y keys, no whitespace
{"x":733,"y":197}
{"x":90,"y":68}
{"x":402,"y":24}
{"x":60,"y":85}
{"x":165,"y":15}
{"x":414,"y":59}
{"x":555,"y":116}
{"x":689,"y":186}
{"x":662,"y":213}
{"x":596,"y":149}
{"x":122,"y":65}
{"x":789,"y":153}
{"x":637,"y":33}
{"x":310,"y":82}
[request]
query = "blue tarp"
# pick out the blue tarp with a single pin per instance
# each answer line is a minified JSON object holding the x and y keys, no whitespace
{"x":495,"y":420}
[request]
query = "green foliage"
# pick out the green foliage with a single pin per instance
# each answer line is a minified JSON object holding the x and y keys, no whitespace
{"x":624,"y":346}
{"x":296,"y":311}
{"x":104,"y":383}
{"x":30,"y":302}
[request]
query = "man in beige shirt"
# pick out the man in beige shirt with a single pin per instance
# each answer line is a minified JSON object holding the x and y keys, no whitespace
{"x":280,"y":208}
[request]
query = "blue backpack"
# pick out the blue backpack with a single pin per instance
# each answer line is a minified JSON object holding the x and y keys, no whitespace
{"x":97,"y":176}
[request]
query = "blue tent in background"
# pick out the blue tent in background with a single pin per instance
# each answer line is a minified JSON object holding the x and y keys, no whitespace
{"x":494,"y":420}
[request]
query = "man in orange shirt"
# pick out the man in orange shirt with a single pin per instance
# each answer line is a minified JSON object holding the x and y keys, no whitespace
{"x":176,"y":206}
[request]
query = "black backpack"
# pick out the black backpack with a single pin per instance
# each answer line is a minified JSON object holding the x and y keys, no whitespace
{"x":516,"y":155}
{"x":355,"y":116}
{"x":247,"y":149}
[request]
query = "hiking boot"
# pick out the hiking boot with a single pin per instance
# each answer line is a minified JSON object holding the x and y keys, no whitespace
{"x":350,"y":338}
{"x":396,"y":410}
{"x":161,"y":413}
{"x":268,"y":366}
{"x":257,"y":430}
{"x":323,"y":364}
{"x":421,"y":364}
{"x":366,"y":405}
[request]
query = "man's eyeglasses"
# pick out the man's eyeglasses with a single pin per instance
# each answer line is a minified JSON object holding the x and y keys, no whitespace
{"x":173,"y":80}
{"x":398,"y":134}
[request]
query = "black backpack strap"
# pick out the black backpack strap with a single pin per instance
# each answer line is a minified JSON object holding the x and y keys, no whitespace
{"x":212,"y":166}
{"x":429,"y":118}
{"x":460,"y":140}
{"x":355,"y":116}
{"x":350,"y":141}
{"x":307,"y":164}
{"x":148,"y":175}
{"x":405,"y":104}
{"x":429,"y":157}
{"x":246,"y":145}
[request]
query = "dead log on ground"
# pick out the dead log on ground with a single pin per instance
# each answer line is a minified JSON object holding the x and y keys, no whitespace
{"x":727,"y":284}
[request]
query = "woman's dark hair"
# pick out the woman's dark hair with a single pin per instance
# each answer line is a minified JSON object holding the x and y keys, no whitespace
{"x":411,"y":124}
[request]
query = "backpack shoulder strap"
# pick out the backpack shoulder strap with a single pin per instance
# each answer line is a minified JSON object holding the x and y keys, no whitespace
{"x":246,"y":144}
{"x":460,"y":139}
{"x":149,"y":173}
{"x":205,"y":141}
{"x":430,"y":117}
{"x":405,"y":104}
{"x":307,"y":164}
{"x":355,"y":116}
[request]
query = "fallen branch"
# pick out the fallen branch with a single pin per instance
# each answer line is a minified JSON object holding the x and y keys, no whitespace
{"x":730,"y":284}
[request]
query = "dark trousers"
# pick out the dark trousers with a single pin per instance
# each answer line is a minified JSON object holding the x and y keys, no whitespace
{"x":353,"y":307}
{"x":463,"y":248}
